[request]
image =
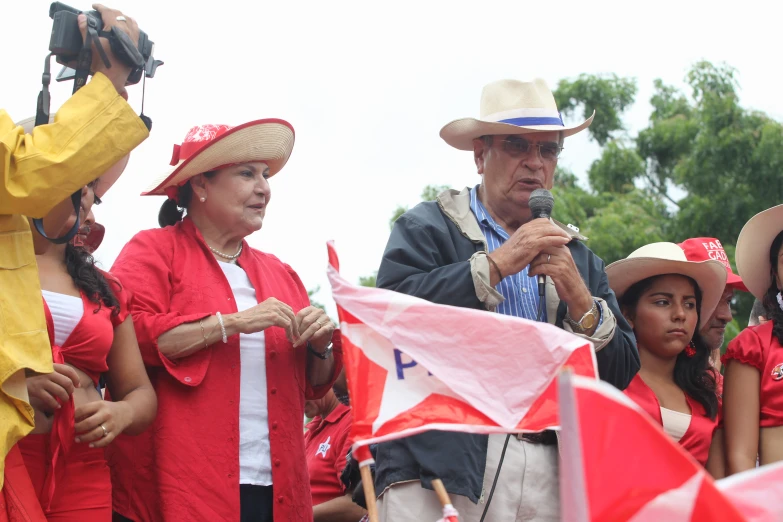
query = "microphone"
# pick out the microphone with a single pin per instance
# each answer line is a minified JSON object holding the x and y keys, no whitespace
{"x":541,"y":204}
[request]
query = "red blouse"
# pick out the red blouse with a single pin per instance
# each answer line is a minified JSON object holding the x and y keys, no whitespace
{"x":698,"y":438}
{"x":186,"y":467}
{"x":757,"y":347}
{"x":88,"y":345}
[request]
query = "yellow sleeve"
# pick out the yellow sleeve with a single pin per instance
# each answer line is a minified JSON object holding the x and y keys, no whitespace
{"x":93,"y":130}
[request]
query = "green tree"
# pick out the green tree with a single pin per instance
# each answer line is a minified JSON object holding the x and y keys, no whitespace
{"x":368,"y":280}
{"x":702,"y":167}
{"x":608,"y":95}
{"x":430,"y":193}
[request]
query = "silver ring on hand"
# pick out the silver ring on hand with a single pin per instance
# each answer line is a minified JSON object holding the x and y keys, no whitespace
{"x":104,"y":430}
{"x":548,"y":257}
{"x":121,"y":19}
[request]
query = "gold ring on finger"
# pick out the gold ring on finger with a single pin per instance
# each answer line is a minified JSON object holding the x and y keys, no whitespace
{"x":104,"y":430}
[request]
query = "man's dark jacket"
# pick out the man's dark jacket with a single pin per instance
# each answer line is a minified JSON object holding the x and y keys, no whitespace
{"x":435,"y":252}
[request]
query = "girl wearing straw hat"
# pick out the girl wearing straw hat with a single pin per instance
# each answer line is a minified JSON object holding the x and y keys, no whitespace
{"x":754,"y":359}
{"x":665,"y":297}
{"x":230,"y":338}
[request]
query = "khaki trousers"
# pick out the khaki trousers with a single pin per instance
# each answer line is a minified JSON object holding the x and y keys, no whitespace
{"x":527,"y":489}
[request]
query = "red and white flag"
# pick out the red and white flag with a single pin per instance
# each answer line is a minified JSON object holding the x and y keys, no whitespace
{"x":756,"y":493}
{"x":414,"y":366}
{"x":618,"y":465}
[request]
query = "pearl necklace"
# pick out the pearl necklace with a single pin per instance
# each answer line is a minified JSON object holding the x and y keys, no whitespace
{"x":226,"y":256}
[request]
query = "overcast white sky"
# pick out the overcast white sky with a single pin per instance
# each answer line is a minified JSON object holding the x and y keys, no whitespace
{"x":368,"y":85}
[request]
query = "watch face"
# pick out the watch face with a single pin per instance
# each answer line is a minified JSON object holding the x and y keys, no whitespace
{"x":588,"y":322}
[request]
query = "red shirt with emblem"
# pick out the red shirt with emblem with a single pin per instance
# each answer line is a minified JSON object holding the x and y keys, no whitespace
{"x":186,"y":466}
{"x":698,"y":438}
{"x":326,"y":446}
{"x":758,"y":347}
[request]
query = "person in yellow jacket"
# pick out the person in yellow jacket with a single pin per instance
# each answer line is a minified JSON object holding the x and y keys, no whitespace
{"x":92,"y":131}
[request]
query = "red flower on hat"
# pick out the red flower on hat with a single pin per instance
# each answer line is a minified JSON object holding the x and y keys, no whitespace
{"x":196,"y":138}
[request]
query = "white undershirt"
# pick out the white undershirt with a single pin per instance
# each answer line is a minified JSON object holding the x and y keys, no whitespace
{"x":66,"y":312}
{"x":675,"y":423}
{"x":255,"y":461}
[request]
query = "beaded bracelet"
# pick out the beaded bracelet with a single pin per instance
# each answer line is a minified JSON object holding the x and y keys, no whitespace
{"x":222,"y":327}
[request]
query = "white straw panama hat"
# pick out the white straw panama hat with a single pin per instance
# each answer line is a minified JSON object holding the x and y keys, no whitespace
{"x":211,"y":147}
{"x":510,"y":107}
{"x":668,"y":258}
{"x":106,"y":180}
{"x":752,"y":252}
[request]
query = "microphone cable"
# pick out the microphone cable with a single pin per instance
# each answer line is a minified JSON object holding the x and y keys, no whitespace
{"x":539,"y":316}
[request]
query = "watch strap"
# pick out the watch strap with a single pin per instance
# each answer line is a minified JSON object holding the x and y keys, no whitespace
{"x":321,"y":355}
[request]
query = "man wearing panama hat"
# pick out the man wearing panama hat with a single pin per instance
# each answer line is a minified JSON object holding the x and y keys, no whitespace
{"x":480,"y":248}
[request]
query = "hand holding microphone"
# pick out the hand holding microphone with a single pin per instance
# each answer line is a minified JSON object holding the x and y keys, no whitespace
{"x":531,"y":239}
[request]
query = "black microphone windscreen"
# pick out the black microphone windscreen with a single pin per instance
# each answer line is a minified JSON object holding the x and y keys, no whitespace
{"x":541,"y":203}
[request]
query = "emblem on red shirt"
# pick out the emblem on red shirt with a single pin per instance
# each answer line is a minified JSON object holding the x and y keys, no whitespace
{"x":324,"y":447}
{"x":777,"y":372}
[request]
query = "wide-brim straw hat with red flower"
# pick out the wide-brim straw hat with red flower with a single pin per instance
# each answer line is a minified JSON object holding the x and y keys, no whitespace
{"x":213,"y":147}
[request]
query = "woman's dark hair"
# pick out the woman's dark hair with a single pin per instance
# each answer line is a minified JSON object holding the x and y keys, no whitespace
{"x":774,"y":313}
{"x":694,"y":375}
{"x":81,"y":267}
{"x":171,"y":211}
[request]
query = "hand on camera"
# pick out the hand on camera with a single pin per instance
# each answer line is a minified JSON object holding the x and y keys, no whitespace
{"x":118,"y":72}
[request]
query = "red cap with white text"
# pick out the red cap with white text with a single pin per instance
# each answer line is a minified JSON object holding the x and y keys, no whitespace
{"x":704,"y":248}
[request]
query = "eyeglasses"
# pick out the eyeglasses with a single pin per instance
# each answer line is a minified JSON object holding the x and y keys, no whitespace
{"x":517,"y":146}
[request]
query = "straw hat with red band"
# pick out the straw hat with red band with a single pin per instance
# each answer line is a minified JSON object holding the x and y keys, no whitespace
{"x":106,"y":180}
{"x":706,"y":248}
{"x":668,"y":258}
{"x":752,"y":252}
{"x":212,"y":147}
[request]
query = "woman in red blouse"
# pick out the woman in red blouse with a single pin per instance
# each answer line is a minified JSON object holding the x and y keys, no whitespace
{"x":753,"y":394}
{"x":663,"y":296}
{"x":230,"y":339}
{"x":91,"y":336}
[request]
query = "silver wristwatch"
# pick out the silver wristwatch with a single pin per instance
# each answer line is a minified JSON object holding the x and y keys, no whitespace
{"x":321,"y":355}
{"x":588,"y":321}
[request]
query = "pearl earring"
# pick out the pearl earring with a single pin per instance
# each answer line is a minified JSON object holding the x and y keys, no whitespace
{"x":202,"y":199}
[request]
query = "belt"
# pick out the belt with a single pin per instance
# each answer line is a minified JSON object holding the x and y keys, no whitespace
{"x":546,"y":438}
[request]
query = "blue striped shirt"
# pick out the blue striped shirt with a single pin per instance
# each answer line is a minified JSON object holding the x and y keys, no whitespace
{"x":519,"y":290}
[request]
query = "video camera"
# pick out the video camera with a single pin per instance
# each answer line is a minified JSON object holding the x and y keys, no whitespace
{"x":67,"y":46}
{"x":66,"y":42}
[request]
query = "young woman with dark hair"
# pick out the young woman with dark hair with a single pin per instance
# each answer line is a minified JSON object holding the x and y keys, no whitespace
{"x":754,"y":359}
{"x":91,"y":335}
{"x":664,"y":297}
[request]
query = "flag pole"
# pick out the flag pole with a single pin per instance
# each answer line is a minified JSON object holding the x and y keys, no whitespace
{"x":369,"y":492}
{"x":449,"y":513}
{"x":363,"y":455}
{"x":573,"y":495}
